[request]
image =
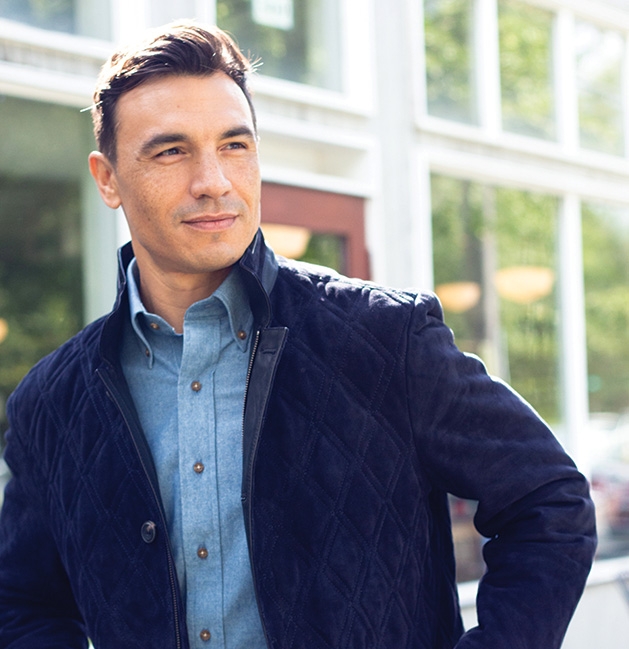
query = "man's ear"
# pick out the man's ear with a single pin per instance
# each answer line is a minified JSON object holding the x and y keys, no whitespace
{"x":104,"y":174}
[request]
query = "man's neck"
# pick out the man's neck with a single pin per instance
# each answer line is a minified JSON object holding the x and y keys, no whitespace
{"x":170,"y":295}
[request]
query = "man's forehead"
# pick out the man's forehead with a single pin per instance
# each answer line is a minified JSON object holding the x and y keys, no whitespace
{"x":171,"y":97}
{"x":165,"y":83}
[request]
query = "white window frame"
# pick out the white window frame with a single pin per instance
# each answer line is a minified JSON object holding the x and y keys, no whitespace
{"x":486,"y":154}
{"x":358,"y":94}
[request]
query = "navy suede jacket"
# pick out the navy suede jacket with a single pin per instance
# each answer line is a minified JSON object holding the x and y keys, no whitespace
{"x":360,"y":416}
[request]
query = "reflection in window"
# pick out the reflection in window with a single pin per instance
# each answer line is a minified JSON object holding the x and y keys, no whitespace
{"x":494,"y":266}
{"x":58,"y":15}
{"x":297,"y":40}
{"x":302,"y":244}
{"x":526,"y":64}
{"x":606,"y":278}
{"x":40,"y":274}
{"x":494,"y":261}
{"x":448,"y":26}
{"x":599,"y":73}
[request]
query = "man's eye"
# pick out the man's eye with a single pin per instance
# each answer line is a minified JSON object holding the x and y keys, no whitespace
{"x":236,"y":145}
{"x":169,"y":152}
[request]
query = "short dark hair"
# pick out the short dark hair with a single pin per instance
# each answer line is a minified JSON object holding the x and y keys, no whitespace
{"x":182,"y":48}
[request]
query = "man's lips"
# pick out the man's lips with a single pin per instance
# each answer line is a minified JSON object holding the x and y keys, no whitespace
{"x":211,"y":222}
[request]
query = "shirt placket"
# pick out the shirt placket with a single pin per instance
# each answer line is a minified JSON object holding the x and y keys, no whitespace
{"x":199,"y":480}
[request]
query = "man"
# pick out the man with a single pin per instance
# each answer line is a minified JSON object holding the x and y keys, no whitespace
{"x":146,"y":510}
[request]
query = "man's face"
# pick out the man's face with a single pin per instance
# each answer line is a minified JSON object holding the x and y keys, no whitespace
{"x":187,"y":173}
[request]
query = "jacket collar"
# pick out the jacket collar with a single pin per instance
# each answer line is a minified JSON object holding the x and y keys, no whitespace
{"x":260,"y":272}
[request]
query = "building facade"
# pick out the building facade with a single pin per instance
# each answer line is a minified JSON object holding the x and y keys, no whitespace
{"x":478,"y":148}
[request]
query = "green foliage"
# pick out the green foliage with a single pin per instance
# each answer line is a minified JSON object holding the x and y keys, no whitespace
{"x":606,"y":276}
{"x":526,"y":227}
{"x":48,"y":14}
{"x":40,"y":274}
{"x":308,"y":53}
{"x":526,"y":64}
{"x":448,"y":33}
{"x":518,"y":229}
{"x":326,"y":250}
{"x":599,"y":68}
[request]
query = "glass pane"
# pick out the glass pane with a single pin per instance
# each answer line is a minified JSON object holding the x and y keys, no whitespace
{"x":526,"y":64}
{"x":303,"y":244}
{"x":599,"y":72}
{"x":448,"y":26}
{"x":41,"y":302}
{"x":494,"y":259}
{"x":85,"y":17}
{"x":606,"y":277}
{"x":58,"y":15}
{"x":297,"y":40}
{"x":494,"y":265}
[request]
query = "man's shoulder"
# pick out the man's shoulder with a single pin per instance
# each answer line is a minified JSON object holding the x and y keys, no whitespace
{"x":303,"y":282}
{"x":299,"y":276}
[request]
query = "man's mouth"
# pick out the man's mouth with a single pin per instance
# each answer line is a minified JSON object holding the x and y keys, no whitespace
{"x":211,"y":222}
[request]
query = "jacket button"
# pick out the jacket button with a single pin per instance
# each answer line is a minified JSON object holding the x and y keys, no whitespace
{"x":148,"y":531}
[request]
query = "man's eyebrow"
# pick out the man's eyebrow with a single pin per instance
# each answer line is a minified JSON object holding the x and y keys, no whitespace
{"x":239,"y":131}
{"x":160,"y":139}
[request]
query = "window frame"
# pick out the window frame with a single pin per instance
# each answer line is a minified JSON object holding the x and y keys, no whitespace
{"x":487,"y":154}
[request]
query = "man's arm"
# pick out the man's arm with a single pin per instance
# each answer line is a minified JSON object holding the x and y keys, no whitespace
{"x":37,"y":609}
{"x":481,"y":441}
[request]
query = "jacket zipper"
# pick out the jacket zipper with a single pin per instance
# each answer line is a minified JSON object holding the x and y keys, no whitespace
{"x":171,"y":567}
{"x":256,"y":342}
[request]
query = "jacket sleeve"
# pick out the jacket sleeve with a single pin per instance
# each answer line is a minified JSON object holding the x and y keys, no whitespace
{"x":481,"y":441}
{"x":37,"y":609}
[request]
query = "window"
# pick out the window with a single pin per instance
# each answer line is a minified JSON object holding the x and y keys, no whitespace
{"x":297,"y":40}
{"x":84,"y":17}
{"x":526,"y":64}
{"x":40,"y":274}
{"x":606,"y":278}
{"x":494,"y":267}
{"x":599,"y":72}
{"x":303,"y":244}
{"x":48,"y":14}
{"x":42,"y":163}
{"x":328,"y":229}
{"x":494,"y":264}
{"x":448,"y":26}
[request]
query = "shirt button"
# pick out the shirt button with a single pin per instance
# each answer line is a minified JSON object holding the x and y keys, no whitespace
{"x":148,"y":531}
{"x":198,"y":467}
{"x":202,"y":553}
{"x":205,"y":635}
{"x":147,"y":352}
{"x":195,"y":385}
{"x":154,"y":326}
{"x":242,"y":334}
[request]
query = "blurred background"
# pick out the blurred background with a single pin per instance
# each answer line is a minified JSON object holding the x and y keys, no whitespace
{"x":478,"y":148}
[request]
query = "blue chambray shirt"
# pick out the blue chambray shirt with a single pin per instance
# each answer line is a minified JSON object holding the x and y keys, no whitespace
{"x":188,"y":390}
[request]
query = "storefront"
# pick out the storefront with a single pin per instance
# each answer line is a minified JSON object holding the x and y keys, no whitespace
{"x":475,"y":147}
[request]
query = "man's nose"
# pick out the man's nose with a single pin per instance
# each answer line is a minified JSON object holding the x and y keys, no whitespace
{"x":209,"y":178}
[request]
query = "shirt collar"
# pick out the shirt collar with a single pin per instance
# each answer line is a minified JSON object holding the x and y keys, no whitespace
{"x":231,"y":293}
